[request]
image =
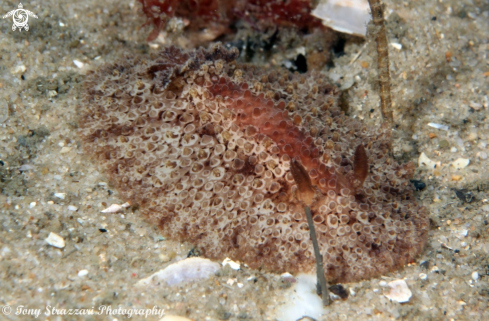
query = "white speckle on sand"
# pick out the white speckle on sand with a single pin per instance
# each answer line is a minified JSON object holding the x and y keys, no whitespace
{"x":475,"y":275}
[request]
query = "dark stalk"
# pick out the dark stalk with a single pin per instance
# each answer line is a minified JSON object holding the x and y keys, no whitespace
{"x":377,"y":9}
{"x":321,"y":286}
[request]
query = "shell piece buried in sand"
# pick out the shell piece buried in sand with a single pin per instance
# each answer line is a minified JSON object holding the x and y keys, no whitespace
{"x":348,"y":16}
{"x":399,"y":291}
{"x":191,"y":269}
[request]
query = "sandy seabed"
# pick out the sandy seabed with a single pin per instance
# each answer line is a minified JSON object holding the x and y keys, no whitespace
{"x":440,"y":75}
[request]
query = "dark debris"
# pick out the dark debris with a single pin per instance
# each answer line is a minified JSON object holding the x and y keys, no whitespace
{"x":339,"y":290}
{"x":418,"y":185}
{"x":464,"y":195}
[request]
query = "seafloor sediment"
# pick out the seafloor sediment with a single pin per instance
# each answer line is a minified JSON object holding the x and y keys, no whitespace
{"x":440,"y":75}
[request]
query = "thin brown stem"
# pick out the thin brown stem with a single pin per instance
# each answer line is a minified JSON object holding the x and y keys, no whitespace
{"x":322,"y":288}
{"x":383,"y":59}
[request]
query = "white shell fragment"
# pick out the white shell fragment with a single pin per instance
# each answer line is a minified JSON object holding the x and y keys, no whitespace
{"x":60,"y":195}
{"x":438,"y":126}
{"x":233,"y":265}
{"x":424,"y":161}
{"x":191,"y":269}
{"x":83,"y":273}
{"x":461,"y":163}
{"x":114,"y":208}
{"x":399,"y":291}
{"x":19,"y":69}
{"x":65,"y":150}
{"x":55,"y":240}
{"x":396,"y":45}
{"x":78,"y":63}
{"x":348,"y":16}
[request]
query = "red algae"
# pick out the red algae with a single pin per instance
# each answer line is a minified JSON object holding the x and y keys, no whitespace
{"x":260,"y":14}
{"x":204,"y":145}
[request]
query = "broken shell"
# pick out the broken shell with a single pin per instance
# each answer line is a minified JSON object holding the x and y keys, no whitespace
{"x":461,"y":163}
{"x":114,"y":208}
{"x":60,"y":195}
{"x":233,"y":265}
{"x":424,"y":161}
{"x":399,"y":291}
{"x":191,"y":269}
{"x":438,"y":126}
{"x":344,"y":16}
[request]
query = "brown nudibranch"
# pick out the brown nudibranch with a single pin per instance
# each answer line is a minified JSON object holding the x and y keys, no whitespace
{"x":203,"y":145}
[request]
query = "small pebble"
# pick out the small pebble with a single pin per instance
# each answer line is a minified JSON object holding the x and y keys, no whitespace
{"x":55,"y":240}
{"x":443,"y":143}
{"x":52,"y":93}
{"x":475,"y":105}
{"x":83,"y":273}
{"x":164,"y":258}
{"x":72,"y":208}
{"x":456,"y":178}
{"x":65,"y":150}
{"x":423,"y":276}
{"x":483,"y":155}
{"x":31,"y":205}
{"x":453,"y":150}
{"x":19,"y":69}
{"x":475,"y":276}
{"x":418,"y":185}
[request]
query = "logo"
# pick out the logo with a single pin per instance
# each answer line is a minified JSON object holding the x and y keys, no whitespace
{"x":20,"y":17}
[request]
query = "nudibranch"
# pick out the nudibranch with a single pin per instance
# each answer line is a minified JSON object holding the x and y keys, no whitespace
{"x":204,"y":145}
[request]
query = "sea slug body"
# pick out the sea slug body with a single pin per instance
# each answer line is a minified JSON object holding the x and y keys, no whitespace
{"x":203,"y":145}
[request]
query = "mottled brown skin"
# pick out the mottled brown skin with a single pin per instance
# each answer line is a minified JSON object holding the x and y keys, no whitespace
{"x":203,"y":145}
